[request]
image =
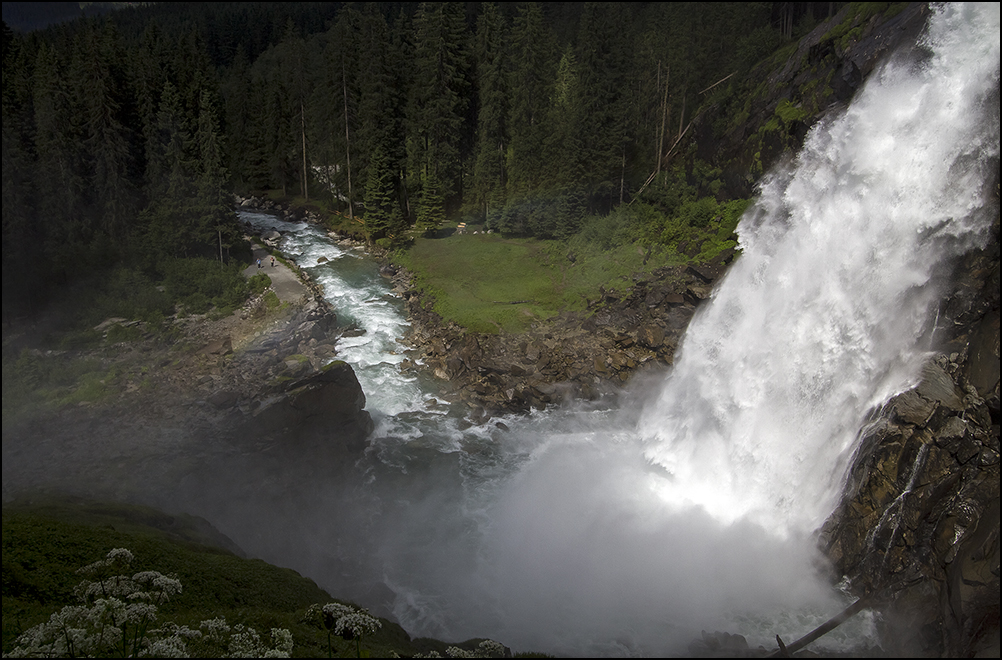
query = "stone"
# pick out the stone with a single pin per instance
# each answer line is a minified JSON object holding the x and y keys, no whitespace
{"x":223,"y":399}
{"x":938,"y":386}
{"x":912,"y":408}
{"x":222,"y":346}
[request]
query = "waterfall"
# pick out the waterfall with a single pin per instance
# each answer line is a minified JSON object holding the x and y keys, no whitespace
{"x":823,"y":316}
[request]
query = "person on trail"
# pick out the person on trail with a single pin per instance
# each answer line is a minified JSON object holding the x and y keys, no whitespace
{"x":258,"y":263}
{"x":273,"y":262}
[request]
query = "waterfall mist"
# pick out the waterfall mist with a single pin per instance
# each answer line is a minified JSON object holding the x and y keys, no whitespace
{"x":597,"y":532}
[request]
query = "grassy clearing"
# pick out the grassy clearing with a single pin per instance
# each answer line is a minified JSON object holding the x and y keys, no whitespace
{"x":489,"y":283}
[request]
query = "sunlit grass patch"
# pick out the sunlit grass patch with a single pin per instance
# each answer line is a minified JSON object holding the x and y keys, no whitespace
{"x":489,"y":283}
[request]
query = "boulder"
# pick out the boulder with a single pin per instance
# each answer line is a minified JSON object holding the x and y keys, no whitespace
{"x":326,"y":406}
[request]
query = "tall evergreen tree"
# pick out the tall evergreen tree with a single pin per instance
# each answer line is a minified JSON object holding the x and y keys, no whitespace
{"x":383,"y":217}
{"x":492,"y":92}
{"x":58,"y":173}
{"x":603,"y":100}
{"x":531,"y":54}
{"x":26,"y":272}
{"x":439,"y":97}
{"x":431,"y":205}
{"x":107,"y":138}
{"x":338,"y":101}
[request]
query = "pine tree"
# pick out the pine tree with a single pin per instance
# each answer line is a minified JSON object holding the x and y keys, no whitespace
{"x":439,"y":98}
{"x":58,"y":171}
{"x":26,"y":271}
{"x":431,"y":205}
{"x":99,"y":83}
{"x":492,"y":139}
{"x":531,"y":79}
{"x":383,"y":217}
{"x":603,"y":101}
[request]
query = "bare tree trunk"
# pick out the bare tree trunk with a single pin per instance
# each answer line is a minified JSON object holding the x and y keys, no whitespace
{"x":302,"y":124}
{"x":681,"y":117}
{"x":347,"y":141}
{"x":622,"y":177}
{"x":664,"y":119}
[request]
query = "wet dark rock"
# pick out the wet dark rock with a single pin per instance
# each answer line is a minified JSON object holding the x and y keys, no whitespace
{"x":326,"y":405}
{"x":918,"y":524}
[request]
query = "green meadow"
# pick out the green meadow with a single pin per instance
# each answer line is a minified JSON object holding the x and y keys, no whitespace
{"x":490,"y":283}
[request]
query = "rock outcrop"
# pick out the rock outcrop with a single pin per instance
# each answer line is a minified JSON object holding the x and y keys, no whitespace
{"x":918,"y":525}
{"x":327,"y":405}
{"x":582,"y":355}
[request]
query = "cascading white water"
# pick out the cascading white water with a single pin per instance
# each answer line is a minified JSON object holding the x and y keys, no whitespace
{"x":823,"y":315}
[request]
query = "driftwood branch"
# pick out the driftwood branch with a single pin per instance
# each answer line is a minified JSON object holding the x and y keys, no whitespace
{"x":787,"y":650}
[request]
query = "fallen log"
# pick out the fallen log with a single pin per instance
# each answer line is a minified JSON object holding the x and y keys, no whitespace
{"x":787,"y":650}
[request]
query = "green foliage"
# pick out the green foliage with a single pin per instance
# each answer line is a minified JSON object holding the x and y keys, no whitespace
{"x":271,"y":301}
{"x":431,"y":205}
{"x":119,"y":333}
{"x":488,"y":283}
{"x":258,"y":283}
{"x":198,"y":284}
{"x":34,"y":380}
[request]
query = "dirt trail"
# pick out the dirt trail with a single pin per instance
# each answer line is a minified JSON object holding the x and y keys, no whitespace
{"x":284,"y":282}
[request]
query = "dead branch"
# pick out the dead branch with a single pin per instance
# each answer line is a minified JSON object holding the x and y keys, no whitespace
{"x":716,"y":83}
{"x":787,"y":650}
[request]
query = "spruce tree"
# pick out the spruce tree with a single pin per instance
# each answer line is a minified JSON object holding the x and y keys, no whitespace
{"x":99,"y":81}
{"x":431,"y":205}
{"x":603,"y":100}
{"x":492,"y":92}
{"x":383,"y":217}
{"x":531,"y":79}
{"x":439,"y":96}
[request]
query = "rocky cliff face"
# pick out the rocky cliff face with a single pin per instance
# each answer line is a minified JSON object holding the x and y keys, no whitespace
{"x":768,"y":117}
{"x":918,"y":526}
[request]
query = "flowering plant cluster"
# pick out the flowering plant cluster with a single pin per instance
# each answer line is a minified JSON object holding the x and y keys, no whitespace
{"x":116,"y":616}
{"x":347,"y":622}
{"x":486,"y":649}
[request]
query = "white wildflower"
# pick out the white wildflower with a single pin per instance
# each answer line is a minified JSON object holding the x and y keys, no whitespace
{"x":245,"y":643}
{"x":116,"y":557}
{"x":357,"y":624}
{"x":166,"y":647}
{"x":281,"y":638}
{"x":216,"y":629}
{"x":486,"y":649}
